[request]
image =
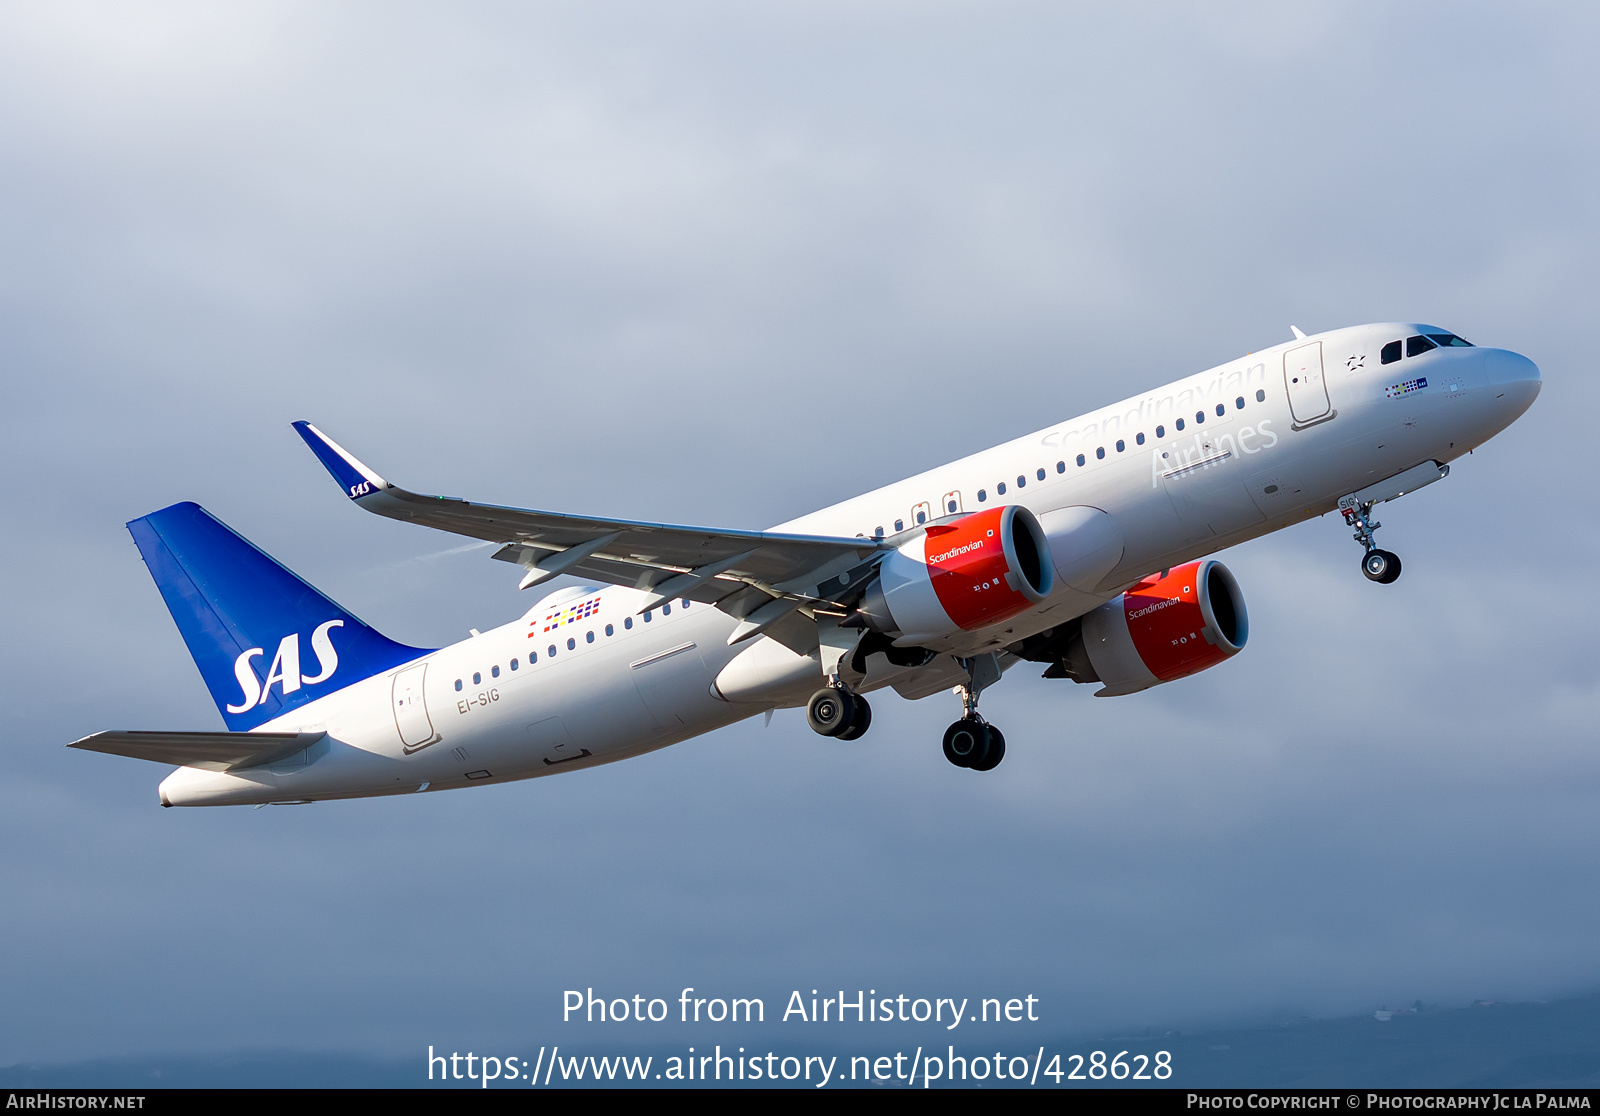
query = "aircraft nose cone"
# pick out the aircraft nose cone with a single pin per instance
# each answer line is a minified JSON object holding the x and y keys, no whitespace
{"x":1516,"y":380}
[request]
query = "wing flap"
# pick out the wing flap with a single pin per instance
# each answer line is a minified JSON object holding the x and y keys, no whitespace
{"x":210,"y":751}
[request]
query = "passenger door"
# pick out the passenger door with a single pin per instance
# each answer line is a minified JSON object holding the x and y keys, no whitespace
{"x":1306,"y":385}
{"x":411,"y":709}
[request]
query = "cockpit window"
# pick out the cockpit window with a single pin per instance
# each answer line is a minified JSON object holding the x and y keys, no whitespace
{"x":1416,"y":346}
{"x":1391,"y":352}
{"x":1449,"y":341}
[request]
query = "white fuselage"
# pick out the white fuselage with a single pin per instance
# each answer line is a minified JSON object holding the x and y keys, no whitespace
{"x":1268,"y":460}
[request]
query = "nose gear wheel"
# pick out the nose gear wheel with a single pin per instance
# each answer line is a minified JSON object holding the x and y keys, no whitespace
{"x":1382,"y":566}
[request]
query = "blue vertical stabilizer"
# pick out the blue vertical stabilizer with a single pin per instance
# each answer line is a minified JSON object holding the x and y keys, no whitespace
{"x":264,"y":640}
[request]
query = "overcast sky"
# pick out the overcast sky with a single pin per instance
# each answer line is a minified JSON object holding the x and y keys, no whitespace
{"x":725,"y":264}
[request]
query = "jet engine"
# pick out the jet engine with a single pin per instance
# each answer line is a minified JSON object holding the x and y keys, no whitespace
{"x":1164,"y":627}
{"x":962,"y":575}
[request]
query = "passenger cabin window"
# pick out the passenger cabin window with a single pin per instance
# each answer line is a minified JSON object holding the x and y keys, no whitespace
{"x":1261,"y":396}
{"x":983,"y":494}
{"x":877,"y":533}
{"x":1121,"y":445}
{"x":1139,"y":439}
{"x":1390,"y":353}
{"x":458,"y":685}
{"x":666,"y":609}
{"x":552,"y":650}
{"x":513,"y":664}
{"x":610,"y":631}
{"x":899,"y":525}
{"x":1416,"y":346}
{"x":1022,"y":482}
{"x":1001,"y":488}
{"x":627,"y":622}
{"x":1100,"y":453}
{"x":533,"y":657}
{"x":1222,"y":409}
{"x":1161,"y":432}
{"x":477,"y":679}
{"x":588,"y":637}
{"x":1080,"y":461}
{"x":1179,"y":424}
{"x":1239,"y":403}
{"x":1040,"y":474}
{"x":494,"y":671}
{"x":1199,"y":416}
{"x":572,"y":645}
{"x":1061,"y":466}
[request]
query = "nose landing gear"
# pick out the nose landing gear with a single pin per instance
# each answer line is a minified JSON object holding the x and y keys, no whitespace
{"x":1382,"y":566}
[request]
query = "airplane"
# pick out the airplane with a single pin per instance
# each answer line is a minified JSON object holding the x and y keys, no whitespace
{"x":1081,"y":546}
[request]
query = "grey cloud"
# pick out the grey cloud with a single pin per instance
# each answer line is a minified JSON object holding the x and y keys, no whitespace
{"x":726,"y":265}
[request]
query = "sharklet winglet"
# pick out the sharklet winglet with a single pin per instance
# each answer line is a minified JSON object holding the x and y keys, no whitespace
{"x":353,"y":475}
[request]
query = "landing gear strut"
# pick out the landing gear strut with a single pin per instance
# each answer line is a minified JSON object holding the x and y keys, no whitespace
{"x":1382,"y":566}
{"x":973,"y":742}
{"x":835,"y":711}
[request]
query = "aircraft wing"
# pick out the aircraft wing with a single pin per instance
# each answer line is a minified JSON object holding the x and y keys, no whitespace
{"x":212,"y":751}
{"x":758,"y":576}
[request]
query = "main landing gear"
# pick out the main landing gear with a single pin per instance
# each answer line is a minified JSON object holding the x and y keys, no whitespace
{"x":1382,"y":566}
{"x":972,"y":741}
{"x":975,"y":743}
{"x":840,"y":712}
{"x":835,"y":711}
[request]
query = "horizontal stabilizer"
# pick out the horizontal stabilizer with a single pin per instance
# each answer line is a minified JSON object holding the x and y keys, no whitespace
{"x":210,"y":751}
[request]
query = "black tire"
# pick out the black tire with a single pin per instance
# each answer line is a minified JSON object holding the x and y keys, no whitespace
{"x":1394,"y":569}
{"x":996,"y":751}
{"x":829,"y":712}
{"x":860,"y":721}
{"x":966,"y":743}
{"x":1376,"y":564}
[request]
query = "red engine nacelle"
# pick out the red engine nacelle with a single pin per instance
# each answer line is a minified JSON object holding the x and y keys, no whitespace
{"x":961,"y":576}
{"x":1166,"y":627}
